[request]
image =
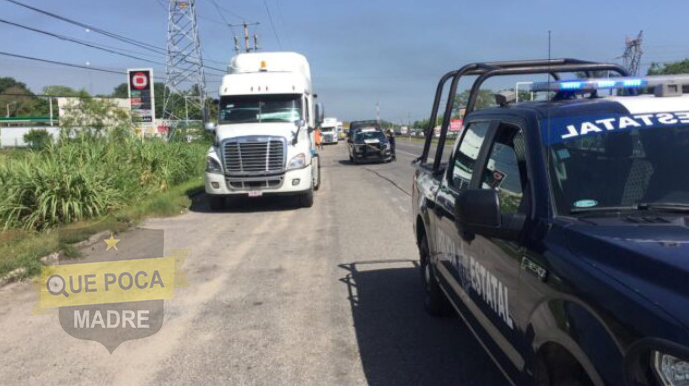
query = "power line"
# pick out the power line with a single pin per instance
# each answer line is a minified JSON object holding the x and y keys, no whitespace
{"x":272,"y":25}
{"x":233,"y":13}
{"x":282,"y":22}
{"x":88,"y":44}
{"x":112,"y":35}
{"x":90,"y":27}
{"x":73,"y":65}
{"x":217,"y":7}
{"x":61,"y":63}
{"x":61,"y":96}
{"x":77,"y":41}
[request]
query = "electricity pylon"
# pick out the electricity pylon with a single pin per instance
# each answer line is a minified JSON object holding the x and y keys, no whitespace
{"x":185,"y":80}
{"x":632,"y":54}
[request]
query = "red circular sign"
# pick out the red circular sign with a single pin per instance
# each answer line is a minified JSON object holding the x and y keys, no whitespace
{"x":140,"y":80}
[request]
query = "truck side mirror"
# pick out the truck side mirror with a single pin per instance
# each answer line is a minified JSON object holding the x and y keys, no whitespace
{"x":319,"y":114}
{"x":210,"y":126}
{"x":478,"y":211}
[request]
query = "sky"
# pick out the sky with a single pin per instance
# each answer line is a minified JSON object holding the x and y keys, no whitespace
{"x":361,"y":52}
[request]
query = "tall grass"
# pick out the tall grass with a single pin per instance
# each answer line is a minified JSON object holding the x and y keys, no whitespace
{"x":88,"y":176}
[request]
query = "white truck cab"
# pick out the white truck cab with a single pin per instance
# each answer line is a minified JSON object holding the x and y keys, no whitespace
{"x":329,"y":131}
{"x":264,"y":142}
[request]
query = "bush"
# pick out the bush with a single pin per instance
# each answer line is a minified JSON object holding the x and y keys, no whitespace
{"x":88,"y":176}
{"x":38,"y":139}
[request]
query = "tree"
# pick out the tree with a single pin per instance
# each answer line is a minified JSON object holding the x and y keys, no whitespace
{"x":60,"y":91}
{"x":485,"y":98}
{"x":681,"y":67}
{"x":92,"y":117}
{"x":121,"y":91}
{"x":8,"y":82}
{"x":17,"y":100}
{"x":38,"y":139}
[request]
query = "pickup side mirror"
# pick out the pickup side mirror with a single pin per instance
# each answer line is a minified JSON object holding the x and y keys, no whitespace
{"x":319,"y":114}
{"x":477,"y":211}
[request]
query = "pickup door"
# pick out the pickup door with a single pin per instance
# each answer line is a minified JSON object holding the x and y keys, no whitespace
{"x":481,"y":274}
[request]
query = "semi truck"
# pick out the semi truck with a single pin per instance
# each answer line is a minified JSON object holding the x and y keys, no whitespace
{"x":340,"y":131}
{"x":329,"y":131}
{"x":264,"y":139}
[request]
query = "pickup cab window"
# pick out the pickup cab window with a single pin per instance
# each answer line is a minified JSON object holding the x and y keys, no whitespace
{"x":504,"y":170}
{"x":465,"y":159}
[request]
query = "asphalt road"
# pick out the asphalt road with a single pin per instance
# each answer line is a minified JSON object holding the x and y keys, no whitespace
{"x":278,"y":295}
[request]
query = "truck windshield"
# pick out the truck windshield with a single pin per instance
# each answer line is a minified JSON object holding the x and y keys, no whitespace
{"x":260,"y":108}
{"x":374,"y":134}
{"x":620,"y":169}
{"x":327,"y":129}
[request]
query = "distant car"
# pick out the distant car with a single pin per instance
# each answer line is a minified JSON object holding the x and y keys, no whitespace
{"x":368,"y":143}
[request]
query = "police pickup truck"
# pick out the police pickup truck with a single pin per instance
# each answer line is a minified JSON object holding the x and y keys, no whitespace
{"x":558,"y":229}
{"x":368,"y":142}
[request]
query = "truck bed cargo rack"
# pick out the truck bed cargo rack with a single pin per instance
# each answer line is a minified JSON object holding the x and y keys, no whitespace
{"x":484,"y":71}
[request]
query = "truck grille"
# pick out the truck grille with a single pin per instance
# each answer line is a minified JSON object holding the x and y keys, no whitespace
{"x":254,"y":155}
{"x":269,"y":182}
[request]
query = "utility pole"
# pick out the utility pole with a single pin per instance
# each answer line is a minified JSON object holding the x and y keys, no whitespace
{"x":247,"y":37}
{"x":184,"y":60}
{"x":378,"y":113}
{"x":632,"y":53}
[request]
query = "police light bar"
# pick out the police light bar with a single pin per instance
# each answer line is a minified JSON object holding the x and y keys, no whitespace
{"x":610,"y":83}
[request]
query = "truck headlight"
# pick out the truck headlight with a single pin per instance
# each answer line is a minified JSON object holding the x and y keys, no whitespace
{"x":671,"y":370}
{"x":297,"y":162}
{"x":212,"y":165}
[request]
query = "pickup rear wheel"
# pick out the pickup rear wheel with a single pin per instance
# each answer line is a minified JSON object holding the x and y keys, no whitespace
{"x":435,"y":302}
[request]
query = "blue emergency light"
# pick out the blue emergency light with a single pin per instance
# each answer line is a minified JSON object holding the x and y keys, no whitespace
{"x":590,"y":84}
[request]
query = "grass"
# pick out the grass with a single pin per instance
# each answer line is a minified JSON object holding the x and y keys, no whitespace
{"x":87,"y":178}
{"x":72,"y":186}
{"x":21,"y":248}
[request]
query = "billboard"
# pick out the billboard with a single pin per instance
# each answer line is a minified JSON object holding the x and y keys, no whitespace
{"x":142,"y":100}
{"x":456,"y":125}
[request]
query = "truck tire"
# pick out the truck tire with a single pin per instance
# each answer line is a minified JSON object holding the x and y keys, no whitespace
{"x":317,"y":183}
{"x":217,"y":203}
{"x":435,"y":302}
{"x":306,"y":199}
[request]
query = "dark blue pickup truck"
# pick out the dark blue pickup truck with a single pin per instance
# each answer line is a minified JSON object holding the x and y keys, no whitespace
{"x":558,"y":229}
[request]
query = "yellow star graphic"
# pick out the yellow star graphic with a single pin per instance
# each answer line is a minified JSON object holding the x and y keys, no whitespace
{"x":112,"y":242}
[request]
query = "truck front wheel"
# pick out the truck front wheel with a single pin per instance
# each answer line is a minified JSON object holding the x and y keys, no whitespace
{"x":216,"y":203}
{"x":306,"y":199}
{"x":317,"y":182}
